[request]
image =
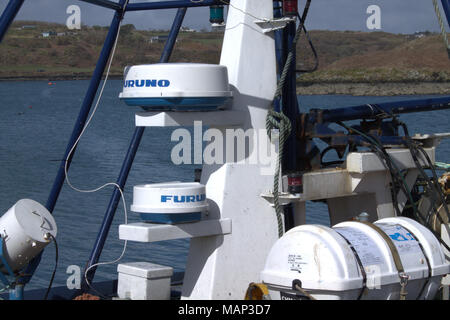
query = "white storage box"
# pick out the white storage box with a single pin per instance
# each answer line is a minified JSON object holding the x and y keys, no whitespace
{"x":322,"y":259}
{"x":143,"y":281}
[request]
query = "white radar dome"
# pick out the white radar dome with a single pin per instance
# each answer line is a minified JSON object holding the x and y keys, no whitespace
{"x":176,"y":86}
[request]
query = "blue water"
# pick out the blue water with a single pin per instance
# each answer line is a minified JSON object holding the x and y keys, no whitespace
{"x":35,"y":124}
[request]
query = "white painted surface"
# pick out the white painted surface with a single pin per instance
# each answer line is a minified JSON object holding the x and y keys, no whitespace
{"x":174,"y":119}
{"x":152,"y":232}
{"x":364,"y":162}
{"x":223,"y":267}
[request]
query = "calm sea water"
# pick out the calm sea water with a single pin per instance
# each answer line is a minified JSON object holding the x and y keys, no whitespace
{"x":36,"y":120}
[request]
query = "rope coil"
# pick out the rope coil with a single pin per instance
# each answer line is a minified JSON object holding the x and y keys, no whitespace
{"x":442,"y":26}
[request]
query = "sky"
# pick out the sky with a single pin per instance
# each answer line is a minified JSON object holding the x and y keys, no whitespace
{"x":397,"y":16}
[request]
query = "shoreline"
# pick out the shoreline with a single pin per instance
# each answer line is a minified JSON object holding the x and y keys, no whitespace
{"x":56,"y":77}
{"x":374,"y":89}
{"x":303,"y":88}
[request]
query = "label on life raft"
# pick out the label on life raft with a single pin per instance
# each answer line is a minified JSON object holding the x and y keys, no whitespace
{"x":403,"y":240}
{"x":367,"y":250}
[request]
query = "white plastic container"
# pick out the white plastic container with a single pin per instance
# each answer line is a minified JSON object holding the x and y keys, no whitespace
{"x":23,"y":229}
{"x":143,"y":281}
{"x":327,"y":267}
{"x":174,"y":202}
{"x":176,"y":86}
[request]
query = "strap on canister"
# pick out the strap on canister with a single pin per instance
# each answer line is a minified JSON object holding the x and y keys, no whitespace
{"x":395,"y":255}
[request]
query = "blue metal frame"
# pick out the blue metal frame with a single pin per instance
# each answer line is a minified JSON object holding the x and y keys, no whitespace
{"x":8,"y":16}
{"x":105,"y":4}
{"x":279,"y":48}
{"x":170,"y":5}
{"x":290,"y":104}
{"x":446,"y":6}
{"x":5,"y":264}
{"x":16,"y":289}
{"x":374,"y":110}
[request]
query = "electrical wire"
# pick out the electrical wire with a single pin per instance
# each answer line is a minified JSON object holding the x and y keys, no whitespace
{"x":313,"y":49}
{"x":76,"y":143}
{"x":397,"y":174}
{"x":432,"y":184}
{"x":56,"y":266}
{"x":414,"y":151}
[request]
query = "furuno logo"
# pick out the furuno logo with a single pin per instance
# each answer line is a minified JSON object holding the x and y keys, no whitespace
{"x":183,"y":199}
{"x":146,"y":83}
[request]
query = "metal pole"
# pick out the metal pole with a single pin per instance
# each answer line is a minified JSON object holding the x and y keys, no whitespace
{"x":290,"y":105}
{"x":171,"y":4}
{"x":374,"y":110}
{"x":8,"y":16}
{"x":291,"y":110}
{"x":104,"y":3}
{"x":279,"y":48}
{"x":446,"y":6}
{"x":126,"y":166}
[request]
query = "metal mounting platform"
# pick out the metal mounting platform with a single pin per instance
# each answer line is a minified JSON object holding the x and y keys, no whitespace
{"x":220,"y":118}
{"x":349,"y":180}
{"x":150,"y":232}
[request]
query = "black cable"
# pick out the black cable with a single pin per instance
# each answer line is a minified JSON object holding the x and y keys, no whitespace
{"x":56,"y":266}
{"x":329,"y":163}
{"x":397,"y":177}
{"x":433,"y":170}
{"x":403,"y":185}
{"x":313,"y":49}
{"x":95,"y":290}
{"x":430,"y":184}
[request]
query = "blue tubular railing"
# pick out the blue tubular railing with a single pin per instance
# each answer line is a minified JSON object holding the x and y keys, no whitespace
{"x":290,"y":104}
{"x":8,"y":16}
{"x":446,"y":6}
{"x":105,"y":4}
{"x":128,"y":162}
{"x":374,"y":110}
{"x":170,"y":5}
{"x":279,"y":49}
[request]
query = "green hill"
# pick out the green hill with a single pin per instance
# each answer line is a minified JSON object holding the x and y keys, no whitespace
{"x":344,"y":57}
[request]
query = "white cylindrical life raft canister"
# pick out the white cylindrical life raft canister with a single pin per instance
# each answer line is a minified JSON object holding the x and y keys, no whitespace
{"x":393,"y":258}
{"x":173,"y":202}
{"x":23,"y":229}
{"x":176,"y":86}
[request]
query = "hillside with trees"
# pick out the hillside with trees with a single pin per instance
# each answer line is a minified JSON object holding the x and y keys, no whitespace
{"x":39,"y":50}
